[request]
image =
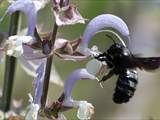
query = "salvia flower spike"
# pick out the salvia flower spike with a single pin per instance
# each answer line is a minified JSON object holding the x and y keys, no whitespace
{"x":104,"y":21}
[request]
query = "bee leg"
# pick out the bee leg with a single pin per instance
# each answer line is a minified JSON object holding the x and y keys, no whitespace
{"x":109,"y":75}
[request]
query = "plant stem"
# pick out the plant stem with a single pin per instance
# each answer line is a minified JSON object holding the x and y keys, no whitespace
{"x":48,"y":66}
{"x":9,"y":67}
{"x":48,"y":70}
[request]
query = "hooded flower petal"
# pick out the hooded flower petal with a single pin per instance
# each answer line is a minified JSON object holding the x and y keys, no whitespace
{"x":30,"y":8}
{"x":97,"y":24}
{"x":32,"y":113}
{"x":67,"y":15}
{"x":38,"y":84}
{"x":13,"y":46}
{"x":76,"y":75}
{"x":85,"y":110}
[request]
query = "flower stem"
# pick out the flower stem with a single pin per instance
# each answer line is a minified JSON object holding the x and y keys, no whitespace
{"x":49,"y":65}
{"x":9,"y":67}
{"x":48,"y":70}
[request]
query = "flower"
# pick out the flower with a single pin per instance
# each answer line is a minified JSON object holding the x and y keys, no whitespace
{"x":13,"y":46}
{"x":67,"y":14}
{"x":66,"y":49}
{"x":32,"y":113}
{"x":76,"y":75}
{"x":30,"y":8}
{"x":1,"y":115}
{"x":97,"y":24}
{"x":85,"y":110}
{"x":38,"y":83}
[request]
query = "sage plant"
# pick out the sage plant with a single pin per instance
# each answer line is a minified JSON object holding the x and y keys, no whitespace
{"x":36,"y":52}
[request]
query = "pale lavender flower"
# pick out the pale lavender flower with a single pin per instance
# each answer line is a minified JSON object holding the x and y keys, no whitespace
{"x":101,"y":23}
{"x":76,"y":75}
{"x":85,"y":109}
{"x":38,"y":84}
{"x":30,"y":8}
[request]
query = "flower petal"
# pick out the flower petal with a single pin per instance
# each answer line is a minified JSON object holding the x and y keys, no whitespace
{"x":67,"y":15}
{"x":93,"y":66}
{"x":76,"y":75}
{"x":85,"y":111}
{"x":104,"y":21}
{"x":30,"y":8}
{"x":13,"y":46}
{"x":31,"y":54}
{"x":32,"y":113}
{"x":38,"y":84}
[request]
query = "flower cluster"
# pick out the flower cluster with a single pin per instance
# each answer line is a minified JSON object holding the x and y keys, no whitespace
{"x":34,"y":48}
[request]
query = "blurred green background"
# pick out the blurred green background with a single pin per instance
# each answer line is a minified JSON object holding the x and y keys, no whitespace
{"x":142,"y":18}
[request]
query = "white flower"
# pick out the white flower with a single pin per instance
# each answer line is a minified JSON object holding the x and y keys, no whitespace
{"x":32,"y":114}
{"x":1,"y":115}
{"x":13,"y":46}
{"x":85,"y":111}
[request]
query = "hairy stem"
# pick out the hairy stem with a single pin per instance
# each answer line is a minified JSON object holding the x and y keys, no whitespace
{"x":9,"y":67}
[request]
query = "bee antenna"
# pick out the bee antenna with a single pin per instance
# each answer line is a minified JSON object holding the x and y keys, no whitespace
{"x":110,"y":37}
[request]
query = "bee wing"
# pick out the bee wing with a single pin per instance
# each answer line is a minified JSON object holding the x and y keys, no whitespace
{"x":147,"y":63}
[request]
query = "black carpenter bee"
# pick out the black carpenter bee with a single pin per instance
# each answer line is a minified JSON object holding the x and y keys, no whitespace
{"x":124,"y":64}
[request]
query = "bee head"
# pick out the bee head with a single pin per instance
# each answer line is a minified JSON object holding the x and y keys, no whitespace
{"x":118,"y":50}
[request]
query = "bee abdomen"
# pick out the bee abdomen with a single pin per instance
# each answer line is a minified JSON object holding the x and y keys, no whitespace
{"x":125,"y":86}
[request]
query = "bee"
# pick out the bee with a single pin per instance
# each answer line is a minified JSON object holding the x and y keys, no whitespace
{"x":123,"y":63}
